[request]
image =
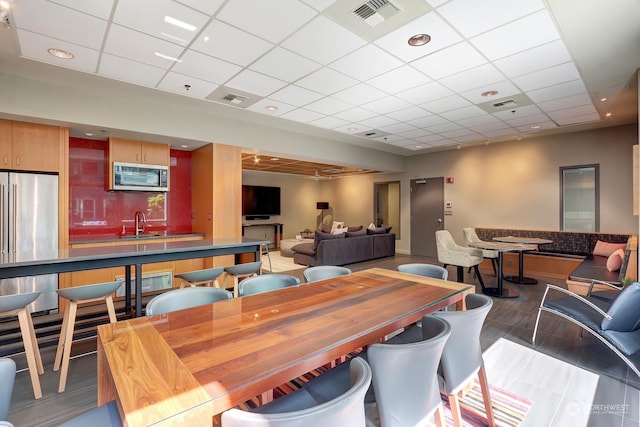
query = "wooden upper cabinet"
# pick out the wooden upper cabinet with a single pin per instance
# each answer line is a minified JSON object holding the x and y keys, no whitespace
{"x":130,"y":151}
{"x":29,"y":146}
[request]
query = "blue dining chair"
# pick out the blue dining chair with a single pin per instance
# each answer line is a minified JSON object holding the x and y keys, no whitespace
{"x":319,"y":272}
{"x":179,"y":299}
{"x":265,"y":283}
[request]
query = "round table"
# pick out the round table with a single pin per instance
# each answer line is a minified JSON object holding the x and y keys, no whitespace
{"x":520,"y":279}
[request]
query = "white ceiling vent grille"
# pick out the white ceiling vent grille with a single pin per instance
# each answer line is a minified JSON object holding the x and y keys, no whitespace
{"x":509,"y":103}
{"x":373,"y":133}
{"x":375,"y":12}
{"x":233,"y":97}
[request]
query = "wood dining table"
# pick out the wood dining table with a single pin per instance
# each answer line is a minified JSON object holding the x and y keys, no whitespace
{"x":187,"y":366}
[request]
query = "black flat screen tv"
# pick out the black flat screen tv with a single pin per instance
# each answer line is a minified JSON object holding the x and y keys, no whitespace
{"x":259,"y":200}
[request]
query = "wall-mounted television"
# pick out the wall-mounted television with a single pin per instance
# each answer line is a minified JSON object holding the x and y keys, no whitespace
{"x":260,"y":200}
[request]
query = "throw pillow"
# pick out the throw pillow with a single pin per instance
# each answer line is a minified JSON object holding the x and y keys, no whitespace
{"x":355,"y":228}
{"x":336,"y":225}
{"x":614,"y":262}
{"x":319,"y":236}
{"x":606,"y":248}
{"x":362,"y":232}
{"x":377,"y":230}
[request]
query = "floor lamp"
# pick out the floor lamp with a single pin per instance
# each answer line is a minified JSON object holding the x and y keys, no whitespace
{"x":322,"y":206}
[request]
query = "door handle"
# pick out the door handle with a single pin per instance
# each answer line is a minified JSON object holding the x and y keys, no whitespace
{"x":439,"y":220}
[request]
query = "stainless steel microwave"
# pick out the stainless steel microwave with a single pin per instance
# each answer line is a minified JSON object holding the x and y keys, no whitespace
{"x":139,"y":177}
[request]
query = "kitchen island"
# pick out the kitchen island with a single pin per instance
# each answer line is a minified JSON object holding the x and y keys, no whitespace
{"x":22,"y":264}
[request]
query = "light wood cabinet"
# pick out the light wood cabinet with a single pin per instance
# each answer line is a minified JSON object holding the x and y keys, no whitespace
{"x":29,"y":146}
{"x":127,"y":150}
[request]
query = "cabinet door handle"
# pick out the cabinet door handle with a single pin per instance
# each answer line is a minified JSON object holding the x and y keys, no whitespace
{"x":18,"y":160}
{"x":6,"y":159}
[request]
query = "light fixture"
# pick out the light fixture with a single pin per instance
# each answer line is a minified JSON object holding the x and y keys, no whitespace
{"x":256,"y":159}
{"x":418,"y":146}
{"x":167,"y":57}
{"x":489,"y":93}
{"x":59,"y":53}
{"x":180,"y":24}
{"x":419,"y":40}
{"x":535,"y":127}
{"x":274,"y":159}
{"x":5,"y":6}
{"x":352,"y":129}
{"x":459,"y":146}
{"x":271,"y":108}
{"x":184,"y":146}
{"x":89,"y":133}
{"x":608,"y":115}
{"x":603,"y":99}
{"x":322,"y":206}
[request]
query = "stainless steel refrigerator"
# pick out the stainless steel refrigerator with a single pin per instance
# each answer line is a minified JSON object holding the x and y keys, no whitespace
{"x":29,"y":224}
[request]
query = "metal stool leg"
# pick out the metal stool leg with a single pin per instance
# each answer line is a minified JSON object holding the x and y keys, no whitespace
{"x":264,"y":250}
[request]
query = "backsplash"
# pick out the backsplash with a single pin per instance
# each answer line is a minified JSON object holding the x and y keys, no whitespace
{"x":94,"y":211}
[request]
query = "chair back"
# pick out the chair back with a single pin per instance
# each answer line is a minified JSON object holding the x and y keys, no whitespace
{"x":405,"y":380}
{"x":345,"y":410}
{"x":426,"y":270}
{"x":470,"y":235}
{"x":311,"y":274}
{"x":625,"y":316}
{"x":462,"y":355}
{"x":244,"y":268}
{"x":7,"y":377}
{"x":266,"y":283}
{"x":179,"y":299}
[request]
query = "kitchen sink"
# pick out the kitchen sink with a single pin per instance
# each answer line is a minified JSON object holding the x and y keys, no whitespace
{"x":143,"y":236}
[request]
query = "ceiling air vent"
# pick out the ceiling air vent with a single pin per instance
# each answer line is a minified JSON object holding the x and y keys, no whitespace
{"x":506,"y":104}
{"x":233,"y":97}
{"x":375,"y":12}
{"x":372,"y":133}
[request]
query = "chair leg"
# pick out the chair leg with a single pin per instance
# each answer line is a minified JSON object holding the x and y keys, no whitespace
{"x":493,"y":264}
{"x":486,"y":396}
{"x":535,"y":328}
{"x":454,"y":406}
{"x":477,"y":270}
{"x":111,"y":309}
{"x":460,"y":274}
{"x":439,"y":416}
{"x":66,"y":346}
{"x":30,"y":348}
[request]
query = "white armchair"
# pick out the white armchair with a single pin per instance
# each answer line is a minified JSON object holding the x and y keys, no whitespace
{"x":450,"y":253}
{"x":471,"y":236}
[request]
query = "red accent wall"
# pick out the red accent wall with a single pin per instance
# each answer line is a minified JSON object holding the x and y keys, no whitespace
{"x":94,"y":211}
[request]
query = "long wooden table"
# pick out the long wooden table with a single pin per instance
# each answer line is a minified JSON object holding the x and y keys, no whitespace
{"x":182,"y":368}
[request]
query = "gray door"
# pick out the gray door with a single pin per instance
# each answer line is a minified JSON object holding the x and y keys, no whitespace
{"x":427,"y":214}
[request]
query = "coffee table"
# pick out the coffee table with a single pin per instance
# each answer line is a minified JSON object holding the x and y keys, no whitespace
{"x":520,"y":279}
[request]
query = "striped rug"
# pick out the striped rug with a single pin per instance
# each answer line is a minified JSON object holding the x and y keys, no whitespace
{"x":509,"y":409}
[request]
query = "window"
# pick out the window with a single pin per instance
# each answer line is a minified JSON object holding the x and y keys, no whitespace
{"x":579,"y":198}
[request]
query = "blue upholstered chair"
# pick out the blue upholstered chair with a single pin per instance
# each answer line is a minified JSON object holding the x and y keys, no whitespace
{"x":311,"y":274}
{"x":179,"y":299}
{"x":300,"y":410}
{"x":207,"y":277}
{"x":241,"y":271}
{"x":265,"y":283}
{"x":426,"y":270}
{"x":7,"y":378}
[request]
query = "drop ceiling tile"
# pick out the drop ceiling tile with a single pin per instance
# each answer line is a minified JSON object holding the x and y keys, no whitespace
{"x":537,"y":127}
{"x":520,"y":111}
{"x":415,"y":133}
{"x":329,"y":122}
{"x":527,"y":120}
{"x":586,"y":118}
{"x":129,"y":71}
{"x":387,"y":105}
{"x":517,"y":36}
{"x":451,"y":60}
{"x":296,"y":95}
{"x":446,"y":104}
{"x":428,"y":121}
{"x":35,"y":46}
{"x":425,"y":93}
{"x":442,"y":35}
{"x":500,"y":132}
{"x":548,"y":77}
{"x":459,"y":137}
{"x":206,"y":67}
{"x":328,"y":106}
{"x":378,"y":122}
{"x":473,"y":78}
{"x":389,"y":139}
{"x":214,"y":41}
{"x":302,"y":115}
{"x":400,"y":128}
{"x":59,"y":22}
{"x":483,"y":119}
{"x":495,"y":126}
{"x":266,"y":19}
{"x":463,"y":113}
{"x":471,"y":20}
{"x":572,"y":112}
{"x":537,"y":58}
{"x":207,"y":6}
{"x":504,"y":88}
{"x":323,"y":41}
{"x":457,"y":133}
{"x":568,"y":102}
{"x":562,"y":90}
{"x":367,"y":62}
{"x":398,"y":80}
{"x":408,"y":114}
{"x":319,"y":5}
{"x":141,"y":47}
{"x":359,"y":94}
{"x":326,"y":81}
{"x":256,"y":83}
{"x":356,"y":114}
{"x":174,"y":82}
{"x":156,"y":13}
{"x":444,"y":127}
{"x":98,"y":8}
{"x":431,"y":139}
{"x":261,"y":107}
{"x":296,"y":65}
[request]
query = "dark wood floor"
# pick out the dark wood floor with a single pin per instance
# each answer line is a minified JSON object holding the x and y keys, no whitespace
{"x":512,"y":319}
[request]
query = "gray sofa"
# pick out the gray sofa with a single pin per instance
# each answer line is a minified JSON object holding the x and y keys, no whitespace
{"x":344,"y":250}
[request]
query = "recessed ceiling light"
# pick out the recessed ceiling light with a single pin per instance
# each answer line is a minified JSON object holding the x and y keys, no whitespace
{"x":535,"y":127}
{"x":489,"y":93}
{"x":608,"y":115}
{"x":256,"y":159}
{"x":274,"y":159}
{"x":459,"y":146}
{"x":603,"y":99}
{"x":167,"y":57}
{"x":418,"y":146}
{"x":184,"y":146}
{"x":59,"y":53}
{"x":352,"y":129}
{"x":89,"y":134}
{"x":180,"y":24}
{"x":419,"y":40}
{"x":271,"y":108}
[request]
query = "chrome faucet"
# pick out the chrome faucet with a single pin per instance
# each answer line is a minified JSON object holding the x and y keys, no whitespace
{"x":140,"y":219}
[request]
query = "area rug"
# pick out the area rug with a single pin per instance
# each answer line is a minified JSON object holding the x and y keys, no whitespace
{"x":279,"y":263}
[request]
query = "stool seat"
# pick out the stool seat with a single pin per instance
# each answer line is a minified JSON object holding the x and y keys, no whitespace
{"x":18,"y":304}
{"x":199,"y":277}
{"x":240,"y":271}
{"x":79,"y":295}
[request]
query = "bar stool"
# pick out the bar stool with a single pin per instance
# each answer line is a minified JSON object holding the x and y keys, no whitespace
{"x":18,"y":304}
{"x":79,"y":295}
{"x":264,"y":250}
{"x":201,"y":277}
{"x":241,"y":271}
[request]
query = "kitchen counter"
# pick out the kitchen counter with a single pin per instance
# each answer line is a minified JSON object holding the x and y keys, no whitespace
{"x":130,"y":237}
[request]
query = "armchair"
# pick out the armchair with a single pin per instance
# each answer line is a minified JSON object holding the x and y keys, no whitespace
{"x":450,"y":253}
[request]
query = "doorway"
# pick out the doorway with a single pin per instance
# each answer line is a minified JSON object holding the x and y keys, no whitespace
{"x":386,"y":205}
{"x":427,"y":215}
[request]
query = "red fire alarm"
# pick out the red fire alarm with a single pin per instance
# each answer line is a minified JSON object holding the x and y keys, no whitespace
{"x":449,"y":180}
